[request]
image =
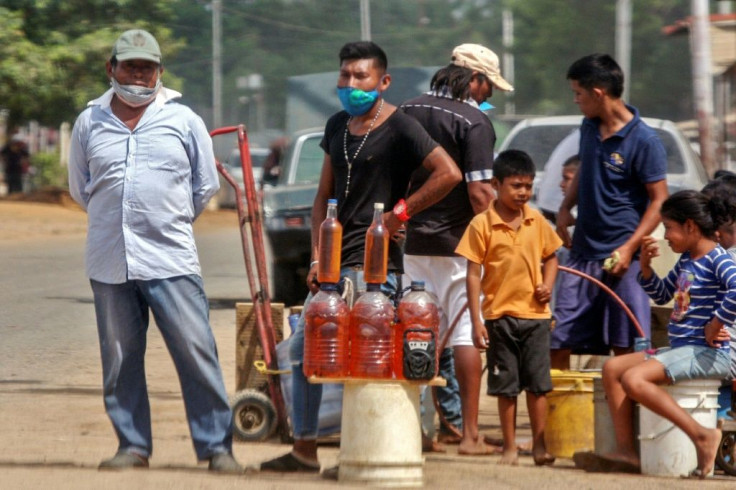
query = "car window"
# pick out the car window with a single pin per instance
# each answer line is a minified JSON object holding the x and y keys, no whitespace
{"x":311,"y":157}
{"x":675,"y":165}
{"x":257,"y":157}
{"x":539,"y":142}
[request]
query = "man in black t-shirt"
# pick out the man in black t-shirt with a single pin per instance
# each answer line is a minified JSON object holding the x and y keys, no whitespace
{"x":371,"y":150}
{"x":451,"y":114}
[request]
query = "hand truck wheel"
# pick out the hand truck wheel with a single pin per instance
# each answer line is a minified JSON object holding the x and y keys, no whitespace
{"x":726,"y":455}
{"x":254,"y":416}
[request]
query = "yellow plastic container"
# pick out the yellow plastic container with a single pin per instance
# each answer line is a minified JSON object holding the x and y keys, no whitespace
{"x":570,"y":414}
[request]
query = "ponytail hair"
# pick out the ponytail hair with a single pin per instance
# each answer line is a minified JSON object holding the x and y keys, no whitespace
{"x":707,"y":212}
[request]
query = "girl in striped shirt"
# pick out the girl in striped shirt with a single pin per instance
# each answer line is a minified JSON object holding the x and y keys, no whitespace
{"x":703,"y":287}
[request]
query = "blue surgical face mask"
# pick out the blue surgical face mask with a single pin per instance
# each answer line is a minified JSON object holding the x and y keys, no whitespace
{"x":357,"y":102}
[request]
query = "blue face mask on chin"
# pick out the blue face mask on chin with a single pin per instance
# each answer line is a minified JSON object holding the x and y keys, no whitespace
{"x":357,"y":102}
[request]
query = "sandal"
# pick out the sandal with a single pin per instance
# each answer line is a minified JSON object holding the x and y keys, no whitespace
{"x":288,"y":463}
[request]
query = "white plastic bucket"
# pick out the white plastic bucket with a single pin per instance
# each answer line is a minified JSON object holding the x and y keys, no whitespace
{"x":381,"y":439}
{"x":665,"y":449}
{"x":605,"y":436}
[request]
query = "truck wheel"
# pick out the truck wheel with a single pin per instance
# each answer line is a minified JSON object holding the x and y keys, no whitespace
{"x":254,"y":416}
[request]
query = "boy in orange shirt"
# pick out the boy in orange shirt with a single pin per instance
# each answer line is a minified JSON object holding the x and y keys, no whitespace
{"x":515,"y":247}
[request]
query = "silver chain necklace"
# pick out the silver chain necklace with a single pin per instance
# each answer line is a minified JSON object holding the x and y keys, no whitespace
{"x":360,"y":147}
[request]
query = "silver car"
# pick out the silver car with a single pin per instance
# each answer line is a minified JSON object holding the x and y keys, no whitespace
{"x":225,"y":197}
{"x":539,"y":136}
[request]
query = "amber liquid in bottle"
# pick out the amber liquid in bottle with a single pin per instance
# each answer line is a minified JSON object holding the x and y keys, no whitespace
{"x":330,"y":246}
{"x":370,"y":335}
{"x":375,"y":262}
{"x":327,"y":323}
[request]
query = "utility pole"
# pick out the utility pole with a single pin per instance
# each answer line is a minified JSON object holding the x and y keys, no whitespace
{"x":703,"y":81}
{"x":623,"y":43}
{"x":216,"y":64}
{"x":508,"y":57}
{"x":365,"y":20}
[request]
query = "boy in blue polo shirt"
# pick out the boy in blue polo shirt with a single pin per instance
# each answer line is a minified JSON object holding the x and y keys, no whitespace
{"x":619,"y":189}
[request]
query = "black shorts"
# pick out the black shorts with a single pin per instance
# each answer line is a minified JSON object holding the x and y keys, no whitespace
{"x":518,"y":356}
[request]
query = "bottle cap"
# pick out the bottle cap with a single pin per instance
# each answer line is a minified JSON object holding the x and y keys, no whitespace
{"x":378,"y":205}
{"x":417,"y":285}
{"x":332,"y":201}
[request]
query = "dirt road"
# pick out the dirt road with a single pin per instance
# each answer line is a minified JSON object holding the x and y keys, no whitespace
{"x":54,"y":431}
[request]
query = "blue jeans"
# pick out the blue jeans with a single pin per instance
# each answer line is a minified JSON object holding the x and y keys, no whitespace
{"x":181,"y":311}
{"x":307,"y":397}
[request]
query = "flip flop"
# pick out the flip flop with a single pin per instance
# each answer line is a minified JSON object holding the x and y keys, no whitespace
{"x":595,"y":463}
{"x":288,"y":463}
{"x":587,"y":461}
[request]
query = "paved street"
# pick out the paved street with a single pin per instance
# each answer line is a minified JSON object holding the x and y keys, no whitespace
{"x":54,"y":429}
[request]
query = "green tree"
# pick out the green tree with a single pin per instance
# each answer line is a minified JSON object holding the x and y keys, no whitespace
{"x":52,"y":53}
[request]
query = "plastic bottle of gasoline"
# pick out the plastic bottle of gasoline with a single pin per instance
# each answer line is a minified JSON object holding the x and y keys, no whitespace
{"x":375,"y":262}
{"x":370,"y":335}
{"x":330,"y":246}
{"x":326,"y":334}
{"x":327,"y":316}
{"x":416,"y":336}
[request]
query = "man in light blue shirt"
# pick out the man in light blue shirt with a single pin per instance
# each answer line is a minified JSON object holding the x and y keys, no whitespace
{"x":143,"y":168}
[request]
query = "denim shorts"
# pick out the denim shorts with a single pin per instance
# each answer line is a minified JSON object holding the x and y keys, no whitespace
{"x":692,"y":362}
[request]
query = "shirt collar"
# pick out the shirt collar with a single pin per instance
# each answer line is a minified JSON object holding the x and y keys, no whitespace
{"x":444,"y":92}
{"x":164,"y":95}
{"x":527,"y":215}
{"x":595,"y":122}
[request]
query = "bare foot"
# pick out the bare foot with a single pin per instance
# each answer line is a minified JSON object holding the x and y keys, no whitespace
{"x":509,"y":457}
{"x":475,"y":448}
{"x":445,"y":438}
{"x":706,"y":448}
{"x":542,"y":457}
{"x":430,"y":446}
{"x":524,"y":447}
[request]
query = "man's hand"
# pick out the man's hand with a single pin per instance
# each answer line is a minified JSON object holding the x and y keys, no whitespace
{"x":564,"y":221}
{"x":716,"y":333}
{"x":392,"y":223}
{"x":400,"y":236}
{"x":623,"y":263}
{"x":312,"y":282}
{"x":542,"y":293}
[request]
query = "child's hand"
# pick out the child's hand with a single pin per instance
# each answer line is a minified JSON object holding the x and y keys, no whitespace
{"x":716,"y":333}
{"x":480,"y":335}
{"x":542,"y":293}
{"x":649,"y":250}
